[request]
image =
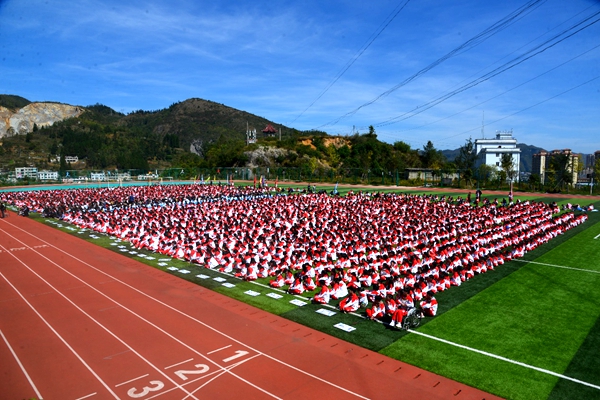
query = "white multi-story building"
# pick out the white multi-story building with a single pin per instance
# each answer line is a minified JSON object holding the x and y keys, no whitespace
{"x":97,"y":176}
{"x":47,"y":175}
{"x":26,"y":172}
{"x":490,"y":151}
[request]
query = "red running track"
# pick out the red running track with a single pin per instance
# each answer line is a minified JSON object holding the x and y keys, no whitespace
{"x":81,"y":322}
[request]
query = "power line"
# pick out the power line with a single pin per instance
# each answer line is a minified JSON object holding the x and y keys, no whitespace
{"x":526,"y":108}
{"x":553,"y":41}
{"x":468,"y":45}
{"x":364,"y":48}
{"x":385,"y":123}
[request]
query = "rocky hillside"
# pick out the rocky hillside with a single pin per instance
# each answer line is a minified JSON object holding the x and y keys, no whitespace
{"x":22,"y":120}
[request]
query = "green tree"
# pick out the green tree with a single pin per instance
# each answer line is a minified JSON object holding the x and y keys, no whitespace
{"x":534,"y":182}
{"x":507,"y":164}
{"x":431,"y":157}
{"x":561,"y":167}
{"x":485,"y":174}
{"x":465,"y":161}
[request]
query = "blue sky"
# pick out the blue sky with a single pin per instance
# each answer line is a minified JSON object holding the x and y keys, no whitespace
{"x":416,"y":70}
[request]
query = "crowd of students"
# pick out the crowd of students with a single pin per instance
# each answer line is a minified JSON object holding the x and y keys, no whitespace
{"x":384,"y":252}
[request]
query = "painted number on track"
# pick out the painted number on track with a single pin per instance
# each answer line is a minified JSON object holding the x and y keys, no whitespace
{"x":238,"y":354}
{"x":156,"y":385}
{"x":202,"y":368}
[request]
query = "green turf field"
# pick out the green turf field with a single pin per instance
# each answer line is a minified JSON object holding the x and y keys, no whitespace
{"x":528,"y":330}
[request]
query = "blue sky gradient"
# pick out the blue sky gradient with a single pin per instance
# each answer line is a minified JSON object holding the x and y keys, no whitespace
{"x":416,"y":70}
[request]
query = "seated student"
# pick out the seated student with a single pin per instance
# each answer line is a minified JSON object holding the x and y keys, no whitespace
{"x":309,"y":283}
{"x":398,"y":316}
{"x":277,"y":282}
{"x":339,"y":289}
{"x":377,"y":310}
{"x":323,"y":296}
{"x":405,"y":300}
{"x":429,"y":305}
{"x":350,"y":303}
{"x":289,"y":278}
{"x":297,"y":287}
{"x":252,"y":273}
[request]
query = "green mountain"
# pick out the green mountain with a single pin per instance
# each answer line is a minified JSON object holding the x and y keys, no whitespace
{"x":13,"y":102}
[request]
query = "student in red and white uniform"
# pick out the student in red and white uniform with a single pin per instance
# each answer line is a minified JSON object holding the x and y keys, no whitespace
{"x":323,"y":296}
{"x":252,"y":273}
{"x":309,"y":283}
{"x":277,"y":282}
{"x":350,"y":303}
{"x":339,"y":289}
{"x":297,"y":287}
{"x":377,"y":310}
{"x":429,"y":305}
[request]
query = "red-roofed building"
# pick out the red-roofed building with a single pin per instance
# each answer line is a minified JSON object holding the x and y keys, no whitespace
{"x":269,"y":130}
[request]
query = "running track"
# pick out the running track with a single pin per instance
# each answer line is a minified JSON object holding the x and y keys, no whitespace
{"x":81,"y":322}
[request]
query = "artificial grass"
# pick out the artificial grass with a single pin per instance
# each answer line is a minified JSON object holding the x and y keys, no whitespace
{"x":539,"y":315}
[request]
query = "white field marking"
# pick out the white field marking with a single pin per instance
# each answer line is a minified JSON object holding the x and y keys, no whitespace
{"x":61,"y":338}
{"x":222,"y":348}
{"x":131,"y":380}
{"x":191,"y":318}
{"x":559,"y":266}
{"x":597,"y":236}
{"x":179,"y":363}
{"x":485,"y":353}
{"x":299,"y":297}
{"x":35,"y":389}
{"x":89,"y":316}
{"x":88,"y":396}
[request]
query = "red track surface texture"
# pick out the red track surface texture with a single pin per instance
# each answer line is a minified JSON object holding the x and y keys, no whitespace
{"x":81,"y":322}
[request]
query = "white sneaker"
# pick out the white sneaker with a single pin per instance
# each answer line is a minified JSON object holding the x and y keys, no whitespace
{"x":393,"y":323}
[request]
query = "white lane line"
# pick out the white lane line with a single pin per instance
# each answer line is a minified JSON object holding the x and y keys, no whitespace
{"x":179,"y":363}
{"x":214,"y":351}
{"x":185,"y":315}
{"x":89,"y":316}
{"x":485,"y":353}
{"x":61,"y":338}
{"x":88,"y":396}
{"x":131,"y":380}
{"x":35,"y":389}
{"x":559,"y":266}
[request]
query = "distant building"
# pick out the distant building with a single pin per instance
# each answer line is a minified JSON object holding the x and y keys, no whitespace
{"x":269,"y":131}
{"x":490,"y":151}
{"x":97,"y":176}
{"x":541,"y":163}
{"x":26,"y":172}
{"x":47,"y":175}
{"x":68,"y":159}
{"x":250,"y":135}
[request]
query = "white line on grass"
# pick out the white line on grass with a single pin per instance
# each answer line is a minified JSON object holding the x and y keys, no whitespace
{"x":559,"y":266}
{"x":485,"y":353}
{"x":37,"y":393}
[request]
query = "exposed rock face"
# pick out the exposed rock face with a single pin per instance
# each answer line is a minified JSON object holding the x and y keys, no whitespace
{"x":41,"y":114}
{"x":264,"y":156}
